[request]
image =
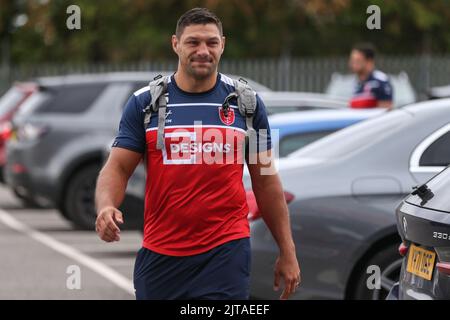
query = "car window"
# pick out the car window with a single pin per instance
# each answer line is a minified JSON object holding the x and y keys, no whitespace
{"x":33,"y":103}
{"x":10,"y":100}
{"x":70,"y":99}
{"x":293,"y":142}
{"x":355,"y":137}
{"x":438,"y":153}
{"x":439,"y":186}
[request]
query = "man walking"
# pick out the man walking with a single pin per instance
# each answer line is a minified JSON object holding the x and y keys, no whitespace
{"x":196,"y":233}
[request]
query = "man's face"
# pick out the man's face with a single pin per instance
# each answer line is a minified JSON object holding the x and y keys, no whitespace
{"x":199,"y":49}
{"x":358,"y":63}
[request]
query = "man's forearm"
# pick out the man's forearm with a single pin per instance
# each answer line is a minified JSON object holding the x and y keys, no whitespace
{"x":110,"y":190}
{"x":274,"y":211}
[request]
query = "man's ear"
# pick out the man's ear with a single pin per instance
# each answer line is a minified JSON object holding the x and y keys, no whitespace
{"x":175,"y":41}
{"x":223,"y":44}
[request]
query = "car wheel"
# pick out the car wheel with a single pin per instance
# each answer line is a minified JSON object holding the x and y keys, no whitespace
{"x":390,"y":262}
{"x":79,"y":198}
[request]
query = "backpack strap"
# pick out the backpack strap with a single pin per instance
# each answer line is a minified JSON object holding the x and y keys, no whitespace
{"x":246,"y":100}
{"x":158,"y":90}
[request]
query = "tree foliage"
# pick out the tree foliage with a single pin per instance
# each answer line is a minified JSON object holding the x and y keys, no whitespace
{"x":134,"y":30}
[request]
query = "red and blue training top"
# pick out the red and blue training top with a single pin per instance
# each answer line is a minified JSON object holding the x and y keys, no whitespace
{"x":194,"y":195}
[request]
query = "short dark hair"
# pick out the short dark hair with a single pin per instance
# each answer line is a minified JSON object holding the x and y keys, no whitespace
{"x":197,"y":16}
{"x":367,"y":49}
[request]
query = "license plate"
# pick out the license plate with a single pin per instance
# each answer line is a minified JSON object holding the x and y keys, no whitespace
{"x":421,"y":262}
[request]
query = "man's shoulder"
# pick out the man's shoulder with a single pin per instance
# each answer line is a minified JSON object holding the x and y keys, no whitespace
{"x":380,"y":76}
{"x":227,"y":82}
{"x":142,"y":96}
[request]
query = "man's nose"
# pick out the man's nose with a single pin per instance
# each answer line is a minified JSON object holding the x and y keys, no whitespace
{"x":202,"y":49}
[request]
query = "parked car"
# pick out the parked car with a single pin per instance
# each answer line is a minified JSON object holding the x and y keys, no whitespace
{"x":423,"y":222}
{"x":295,"y":130}
{"x":343,"y":85}
{"x":281,"y":101}
{"x":439,"y":92}
{"x":55,"y":151}
{"x":58,"y":138}
{"x":9,"y":104}
{"x":343,"y":190}
{"x":299,"y":128}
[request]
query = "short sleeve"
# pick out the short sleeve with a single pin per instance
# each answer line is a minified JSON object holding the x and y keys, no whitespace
{"x":131,"y":128}
{"x":384,"y":91}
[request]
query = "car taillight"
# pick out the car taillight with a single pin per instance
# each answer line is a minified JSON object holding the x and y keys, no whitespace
{"x":18,"y":168}
{"x":403,"y":249}
{"x":30,"y":132}
{"x":254,"y":212}
{"x":5,"y":130}
{"x":443,"y":267}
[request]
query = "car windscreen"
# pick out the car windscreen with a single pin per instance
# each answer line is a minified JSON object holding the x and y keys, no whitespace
{"x":435,"y":195}
{"x":10,"y":100}
{"x":355,"y":137}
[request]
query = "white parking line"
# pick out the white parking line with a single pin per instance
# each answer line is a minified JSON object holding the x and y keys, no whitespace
{"x":70,"y":252}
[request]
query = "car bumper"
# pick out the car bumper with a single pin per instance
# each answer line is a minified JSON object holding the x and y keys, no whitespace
{"x":27,"y":178}
{"x":393,"y":293}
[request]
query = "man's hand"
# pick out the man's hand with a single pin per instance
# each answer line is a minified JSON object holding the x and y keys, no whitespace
{"x":287,"y":267}
{"x":107,"y":223}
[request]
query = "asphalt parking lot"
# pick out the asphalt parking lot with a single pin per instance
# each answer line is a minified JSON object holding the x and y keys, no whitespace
{"x":43,"y":257}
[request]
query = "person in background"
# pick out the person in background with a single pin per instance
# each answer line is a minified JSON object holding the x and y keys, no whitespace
{"x":374,"y":88}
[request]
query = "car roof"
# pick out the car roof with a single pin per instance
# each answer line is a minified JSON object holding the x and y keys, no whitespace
{"x":299,"y":117}
{"x":418,"y":120}
{"x":428,"y":106}
{"x":293,"y":98}
{"x":258,"y":87}
{"x":136,"y":76}
{"x":99,"y":77}
{"x":439,"y":92}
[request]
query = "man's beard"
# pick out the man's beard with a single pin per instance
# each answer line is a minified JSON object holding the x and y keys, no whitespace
{"x":202,"y":73}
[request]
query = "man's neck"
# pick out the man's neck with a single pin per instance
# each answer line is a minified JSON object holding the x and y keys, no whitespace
{"x":193,"y":85}
{"x":365,"y":75}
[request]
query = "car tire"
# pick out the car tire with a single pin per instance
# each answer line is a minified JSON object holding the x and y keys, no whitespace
{"x":79,"y":198}
{"x":389,"y":261}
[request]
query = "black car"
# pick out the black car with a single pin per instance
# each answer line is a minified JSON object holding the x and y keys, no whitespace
{"x":423,"y":221}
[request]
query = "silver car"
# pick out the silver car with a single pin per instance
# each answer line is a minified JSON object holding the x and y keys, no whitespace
{"x":345,"y":188}
{"x":276,"y":103}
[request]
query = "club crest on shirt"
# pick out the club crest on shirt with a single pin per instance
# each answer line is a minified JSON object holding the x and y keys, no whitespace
{"x":229,"y":120}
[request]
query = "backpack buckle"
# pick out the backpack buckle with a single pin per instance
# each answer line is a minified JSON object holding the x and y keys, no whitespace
{"x":226,"y":103}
